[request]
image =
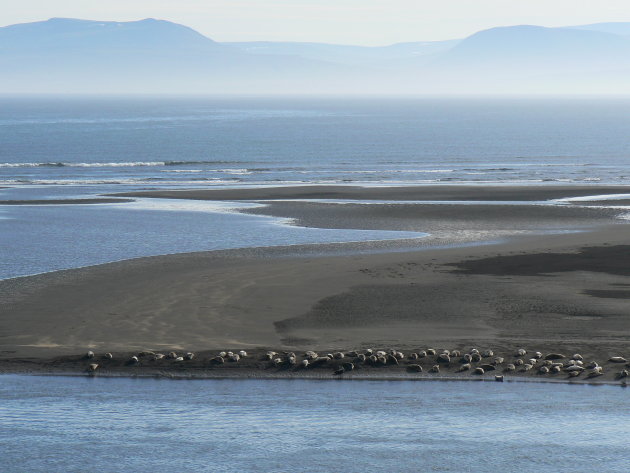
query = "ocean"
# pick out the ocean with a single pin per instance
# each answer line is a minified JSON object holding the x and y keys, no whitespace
{"x":74,"y":147}
{"x":253,"y":141}
{"x":77,"y":424}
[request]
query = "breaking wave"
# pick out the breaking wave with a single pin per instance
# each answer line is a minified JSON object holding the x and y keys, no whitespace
{"x":111,"y":164}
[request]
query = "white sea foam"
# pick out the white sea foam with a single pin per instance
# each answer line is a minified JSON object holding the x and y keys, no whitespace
{"x":114,"y":164}
{"x":84,"y":165}
{"x":595,"y":198}
{"x":178,"y":205}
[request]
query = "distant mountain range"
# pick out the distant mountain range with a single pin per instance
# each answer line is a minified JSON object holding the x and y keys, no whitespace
{"x":154,"y":56}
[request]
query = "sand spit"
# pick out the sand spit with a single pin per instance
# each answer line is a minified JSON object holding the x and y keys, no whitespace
{"x":563,"y":288}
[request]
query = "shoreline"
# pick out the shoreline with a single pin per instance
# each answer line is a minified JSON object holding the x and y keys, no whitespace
{"x":355,"y":378}
{"x":422,"y":192}
{"x":255,"y":367}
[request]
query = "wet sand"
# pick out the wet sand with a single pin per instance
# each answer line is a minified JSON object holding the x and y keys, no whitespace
{"x":98,"y":200}
{"x":428,"y":192}
{"x":531,"y":288}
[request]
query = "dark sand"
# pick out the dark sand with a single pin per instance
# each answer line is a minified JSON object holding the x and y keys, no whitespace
{"x":542,"y":291}
{"x":443,"y":192}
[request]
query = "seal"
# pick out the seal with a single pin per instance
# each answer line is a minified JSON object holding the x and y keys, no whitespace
{"x":310,"y":355}
{"x":443,"y":358}
{"x":617,"y":359}
{"x":554,"y":356}
{"x":391,"y":358}
{"x":415,"y":368}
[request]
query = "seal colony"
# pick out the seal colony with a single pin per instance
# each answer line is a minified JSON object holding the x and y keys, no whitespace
{"x":370,"y":363}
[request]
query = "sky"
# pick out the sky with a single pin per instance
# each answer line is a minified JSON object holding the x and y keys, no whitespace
{"x":361,"y":22}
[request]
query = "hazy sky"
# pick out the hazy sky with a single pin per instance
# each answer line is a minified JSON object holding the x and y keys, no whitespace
{"x":369,"y":22}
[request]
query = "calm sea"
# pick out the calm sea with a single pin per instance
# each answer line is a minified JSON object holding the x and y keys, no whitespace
{"x":211,"y":141}
{"x":61,"y":424}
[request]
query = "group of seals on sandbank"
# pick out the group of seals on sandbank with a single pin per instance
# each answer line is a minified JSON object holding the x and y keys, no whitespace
{"x":471,"y":361}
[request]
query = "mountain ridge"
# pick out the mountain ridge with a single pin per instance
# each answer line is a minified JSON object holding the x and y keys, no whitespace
{"x":158,"y":56}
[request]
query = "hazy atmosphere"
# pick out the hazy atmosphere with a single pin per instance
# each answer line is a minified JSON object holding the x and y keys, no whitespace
{"x":314,"y":236}
{"x":152,"y":56}
{"x":357,"y":22}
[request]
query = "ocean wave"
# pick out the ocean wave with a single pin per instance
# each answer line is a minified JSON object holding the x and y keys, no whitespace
{"x":61,"y":164}
{"x":114,"y":181}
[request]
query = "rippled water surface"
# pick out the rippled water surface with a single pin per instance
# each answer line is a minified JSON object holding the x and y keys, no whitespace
{"x":144,"y":425}
{"x":213,"y":141}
